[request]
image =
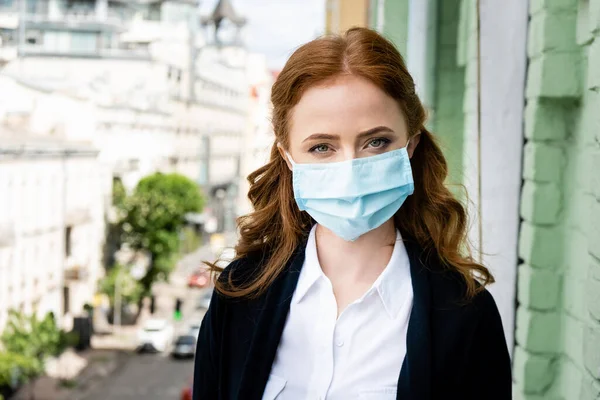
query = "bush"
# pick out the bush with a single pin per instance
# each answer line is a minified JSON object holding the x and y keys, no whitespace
{"x":30,"y":337}
{"x":17,"y":366}
{"x":68,"y":339}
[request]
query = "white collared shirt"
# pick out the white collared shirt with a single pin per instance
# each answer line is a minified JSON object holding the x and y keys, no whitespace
{"x":357,"y":356}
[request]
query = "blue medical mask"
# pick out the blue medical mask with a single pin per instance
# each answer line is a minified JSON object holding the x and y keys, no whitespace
{"x":355,"y":196}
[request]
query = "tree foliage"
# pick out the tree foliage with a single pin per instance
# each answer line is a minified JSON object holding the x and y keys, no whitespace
{"x":119,"y":193}
{"x":14,"y":365}
{"x":130,"y":289}
{"x":152,"y":217}
{"x":26,"y":342}
{"x":30,"y":337}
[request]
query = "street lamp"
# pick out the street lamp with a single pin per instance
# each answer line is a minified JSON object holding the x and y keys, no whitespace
{"x":123,"y":260}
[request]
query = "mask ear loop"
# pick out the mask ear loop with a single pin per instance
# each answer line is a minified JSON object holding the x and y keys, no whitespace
{"x":288,"y":155}
{"x":290,"y":159}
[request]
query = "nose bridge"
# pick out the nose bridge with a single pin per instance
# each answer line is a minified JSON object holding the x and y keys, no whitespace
{"x":349,"y":151}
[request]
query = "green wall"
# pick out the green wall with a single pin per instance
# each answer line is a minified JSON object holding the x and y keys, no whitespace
{"x":446,"y":116}
{"x":557,"y":349}
{"x":558,"y":318}
{"x":395,"y":21}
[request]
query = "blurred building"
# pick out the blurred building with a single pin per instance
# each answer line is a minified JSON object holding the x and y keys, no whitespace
{"x":141,"y":87}
{"x":51,"y":209}
{"x":259,"y":137}
{"x":516,"y":111}
{"x":171,"y":95}
{"x":341,"y":15}
{"x":163,"y":91}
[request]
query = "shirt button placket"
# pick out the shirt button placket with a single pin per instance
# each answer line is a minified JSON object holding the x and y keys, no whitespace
{"x":331,"y":323}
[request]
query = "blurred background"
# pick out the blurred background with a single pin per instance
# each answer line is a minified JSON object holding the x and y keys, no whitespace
{"x":127,"y":128}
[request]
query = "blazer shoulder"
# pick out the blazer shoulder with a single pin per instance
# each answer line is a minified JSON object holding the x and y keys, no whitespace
{"x":449,"y":291}
{"x":240,"y":269}
{"x":239,"y":272}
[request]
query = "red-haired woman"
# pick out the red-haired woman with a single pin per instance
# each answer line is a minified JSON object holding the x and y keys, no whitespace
{"x":351,"y":279}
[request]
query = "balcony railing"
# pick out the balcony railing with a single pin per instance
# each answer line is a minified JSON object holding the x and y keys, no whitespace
{"x":76,"y":273}
{"x":80,"y":20}
{"x":126,"y":54}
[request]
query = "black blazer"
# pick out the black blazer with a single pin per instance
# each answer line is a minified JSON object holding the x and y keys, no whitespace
{"x":455,"y":349}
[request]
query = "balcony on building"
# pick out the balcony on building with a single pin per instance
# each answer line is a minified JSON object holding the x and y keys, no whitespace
{"x":87,"y":28}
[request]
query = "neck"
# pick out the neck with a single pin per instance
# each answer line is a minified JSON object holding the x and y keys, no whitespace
{"x":361,"y":260}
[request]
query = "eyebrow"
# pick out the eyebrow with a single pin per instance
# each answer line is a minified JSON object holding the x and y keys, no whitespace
{"x":367,"y":133}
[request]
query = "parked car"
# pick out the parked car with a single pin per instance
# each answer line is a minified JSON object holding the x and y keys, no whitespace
{"x":155,"y":335}
{"x":199,"y":279}
{"x":203,"y":301}
{"x":185,"y":347}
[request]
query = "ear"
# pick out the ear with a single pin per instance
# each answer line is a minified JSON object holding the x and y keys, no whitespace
{"x":414,"y":141}
{"x":284,"y":156}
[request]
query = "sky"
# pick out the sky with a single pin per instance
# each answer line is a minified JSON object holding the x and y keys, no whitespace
{"x":277,"y":27}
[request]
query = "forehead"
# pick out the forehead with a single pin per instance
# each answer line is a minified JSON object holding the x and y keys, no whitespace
{"x":345,"y":104}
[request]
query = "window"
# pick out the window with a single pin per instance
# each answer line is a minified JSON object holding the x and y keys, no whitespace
{"x":7,"y":4}
{"x":186,"y":340}
{"x":68,"y":243}
{"x":134,"y":164}
{"x":84,"y":42}
{"x":66,"y":300}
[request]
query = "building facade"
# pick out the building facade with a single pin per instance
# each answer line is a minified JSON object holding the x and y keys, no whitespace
{"x":52,"y":218}
{"x":151,"y":71}
{"x":168,"y":96}
{"x":259,"y":138}
{"x":516,"y":111}
{"x":113,"y":90}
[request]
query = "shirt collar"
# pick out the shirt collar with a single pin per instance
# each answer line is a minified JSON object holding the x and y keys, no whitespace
{"x":311,"y":269}
{"x":392,"y":285}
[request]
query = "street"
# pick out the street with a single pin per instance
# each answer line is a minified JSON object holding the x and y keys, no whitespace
{"x":159,"y":376}
{"x":148,"y":377}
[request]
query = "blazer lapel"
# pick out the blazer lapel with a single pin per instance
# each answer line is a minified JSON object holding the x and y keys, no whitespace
{"x":272,"y":315}
{"x":415,"y":376}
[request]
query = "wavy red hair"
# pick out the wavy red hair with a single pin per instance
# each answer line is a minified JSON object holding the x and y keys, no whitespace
{"x":432,"y":216}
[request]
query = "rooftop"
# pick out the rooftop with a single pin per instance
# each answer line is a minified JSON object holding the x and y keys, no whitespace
{"x":224,"y":10}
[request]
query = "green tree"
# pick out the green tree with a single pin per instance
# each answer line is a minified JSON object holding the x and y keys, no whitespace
{"x":130,"y":288}
{"x":152,"y":217}
{"x":119,"y":193}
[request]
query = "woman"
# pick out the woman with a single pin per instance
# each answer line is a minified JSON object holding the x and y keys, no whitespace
{"x":351,"y":280}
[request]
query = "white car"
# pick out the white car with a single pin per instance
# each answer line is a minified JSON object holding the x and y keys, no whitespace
{"x":155,"y":335}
